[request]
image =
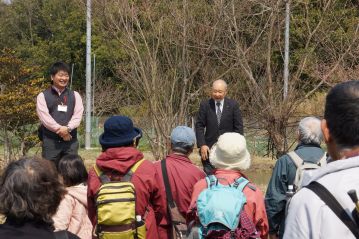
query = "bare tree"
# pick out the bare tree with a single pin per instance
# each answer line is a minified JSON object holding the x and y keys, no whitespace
{"x":166,"y":51}
{"x":109,"y":97}
{"x":254,"y":50}
{"x":173,"y":50}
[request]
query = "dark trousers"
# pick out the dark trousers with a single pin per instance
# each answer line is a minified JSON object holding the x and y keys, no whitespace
{"x":208,"y":168}
{"x":54,"y":150}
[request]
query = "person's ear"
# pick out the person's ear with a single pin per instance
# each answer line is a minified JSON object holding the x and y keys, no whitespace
{"x":325,"y":131}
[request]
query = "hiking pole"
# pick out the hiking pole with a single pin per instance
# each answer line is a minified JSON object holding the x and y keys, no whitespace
{"x":355,"y":213}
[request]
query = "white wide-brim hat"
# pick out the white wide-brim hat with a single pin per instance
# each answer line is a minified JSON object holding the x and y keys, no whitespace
{"x":230,"y":152}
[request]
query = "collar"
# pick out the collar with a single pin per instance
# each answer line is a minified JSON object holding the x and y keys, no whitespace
{"x":332,"y":167}
{"x":302,"y":145}
{"x":222,"y":102}
{"x":179,"y":157}
{"x":235,"y":173}
{"x":350,"y":153}
{"x":58,"y":90}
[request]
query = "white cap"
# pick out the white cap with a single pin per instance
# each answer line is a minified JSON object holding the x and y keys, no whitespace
{"x":138,"y":218}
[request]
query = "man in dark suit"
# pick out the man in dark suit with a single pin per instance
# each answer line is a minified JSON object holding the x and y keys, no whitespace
{"x":216,"y":116}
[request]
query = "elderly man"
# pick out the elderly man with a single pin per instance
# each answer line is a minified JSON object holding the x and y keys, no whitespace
{"x":284,"y":172}
{"x":216,"y":116}
{"x":182,"y":175}
{"x":309,"y":215}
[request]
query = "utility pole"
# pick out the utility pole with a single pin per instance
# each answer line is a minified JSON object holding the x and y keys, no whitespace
{"x":286,"y":49}
{"x":93,"y":84}
{"x":88,"y":76}
{"x":286,"y":62}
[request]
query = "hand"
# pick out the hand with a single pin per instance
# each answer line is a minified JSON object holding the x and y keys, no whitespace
{"x":63,"y":131}
{"x":273,"y":236}
{"x":204,"y":152}
{"x":67,"y":137}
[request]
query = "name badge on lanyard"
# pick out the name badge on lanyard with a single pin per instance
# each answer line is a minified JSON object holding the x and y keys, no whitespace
{"x":62,"y":108}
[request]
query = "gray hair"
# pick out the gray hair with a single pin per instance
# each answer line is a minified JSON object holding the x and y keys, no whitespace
{"x":184,"y":149}
{"x":309,"y":131}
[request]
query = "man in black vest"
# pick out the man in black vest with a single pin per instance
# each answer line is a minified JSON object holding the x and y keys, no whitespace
{"x":60,"y":112}
{"x":216,"y":116}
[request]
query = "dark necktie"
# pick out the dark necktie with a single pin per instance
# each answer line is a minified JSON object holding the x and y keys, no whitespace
{"x":219,"y":112}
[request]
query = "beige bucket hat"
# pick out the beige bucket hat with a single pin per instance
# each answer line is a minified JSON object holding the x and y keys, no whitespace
{"x":230,"y":152}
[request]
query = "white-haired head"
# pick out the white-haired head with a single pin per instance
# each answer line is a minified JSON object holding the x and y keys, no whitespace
{"x":309,"y":131}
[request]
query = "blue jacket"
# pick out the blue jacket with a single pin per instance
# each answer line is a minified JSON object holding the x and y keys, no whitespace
{"x":282,"y":176}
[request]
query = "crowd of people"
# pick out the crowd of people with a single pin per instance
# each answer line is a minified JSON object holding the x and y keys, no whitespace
{"x":125,"y":195}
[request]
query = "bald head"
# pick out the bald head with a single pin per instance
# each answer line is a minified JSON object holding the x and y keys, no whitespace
{"x":309,"y":131}
{"x":219,"y":90}
{"x":219,"y":83}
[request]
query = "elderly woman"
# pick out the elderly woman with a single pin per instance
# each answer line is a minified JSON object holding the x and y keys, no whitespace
{"x":30,"y":193}
{"x":230,"y":156}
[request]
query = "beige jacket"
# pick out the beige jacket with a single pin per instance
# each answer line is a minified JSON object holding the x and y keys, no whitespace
{"x":72,"y":213}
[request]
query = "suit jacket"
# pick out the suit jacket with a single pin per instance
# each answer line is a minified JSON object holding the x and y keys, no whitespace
{"x":207,"y":129}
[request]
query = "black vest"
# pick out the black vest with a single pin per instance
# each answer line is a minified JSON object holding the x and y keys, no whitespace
{"x":53,"y":99}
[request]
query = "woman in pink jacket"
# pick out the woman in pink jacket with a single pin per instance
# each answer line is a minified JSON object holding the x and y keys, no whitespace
{"x":72,"y":212}
{"x":230,"y":156}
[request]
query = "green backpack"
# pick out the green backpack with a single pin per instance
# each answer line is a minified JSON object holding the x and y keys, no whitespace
{"x":116,"y":208}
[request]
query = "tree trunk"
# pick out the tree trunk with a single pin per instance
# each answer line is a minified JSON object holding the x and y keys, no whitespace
{"x":7,"y":147}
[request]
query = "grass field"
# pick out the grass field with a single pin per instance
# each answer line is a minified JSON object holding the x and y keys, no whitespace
{"x":258,"y":173}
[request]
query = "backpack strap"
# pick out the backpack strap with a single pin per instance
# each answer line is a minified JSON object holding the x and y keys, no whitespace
{"x":167,"y":183}
{"x":174,"y":215}
{"x":126,"y":178}
{"x":299,"y":163}
{"x":295,"y":158}
{"x":251,"y":186}
{"x":132,"y":170}
{"x":211,"y":180}
{"x":334,"y":205}
{"x":240,"y":183}
{"x":98,"y":171}
{"x":102,"y":176}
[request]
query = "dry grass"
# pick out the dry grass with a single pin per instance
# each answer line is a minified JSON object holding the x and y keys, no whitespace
{"x":258,"y":163}
{"x":259,"y":173}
